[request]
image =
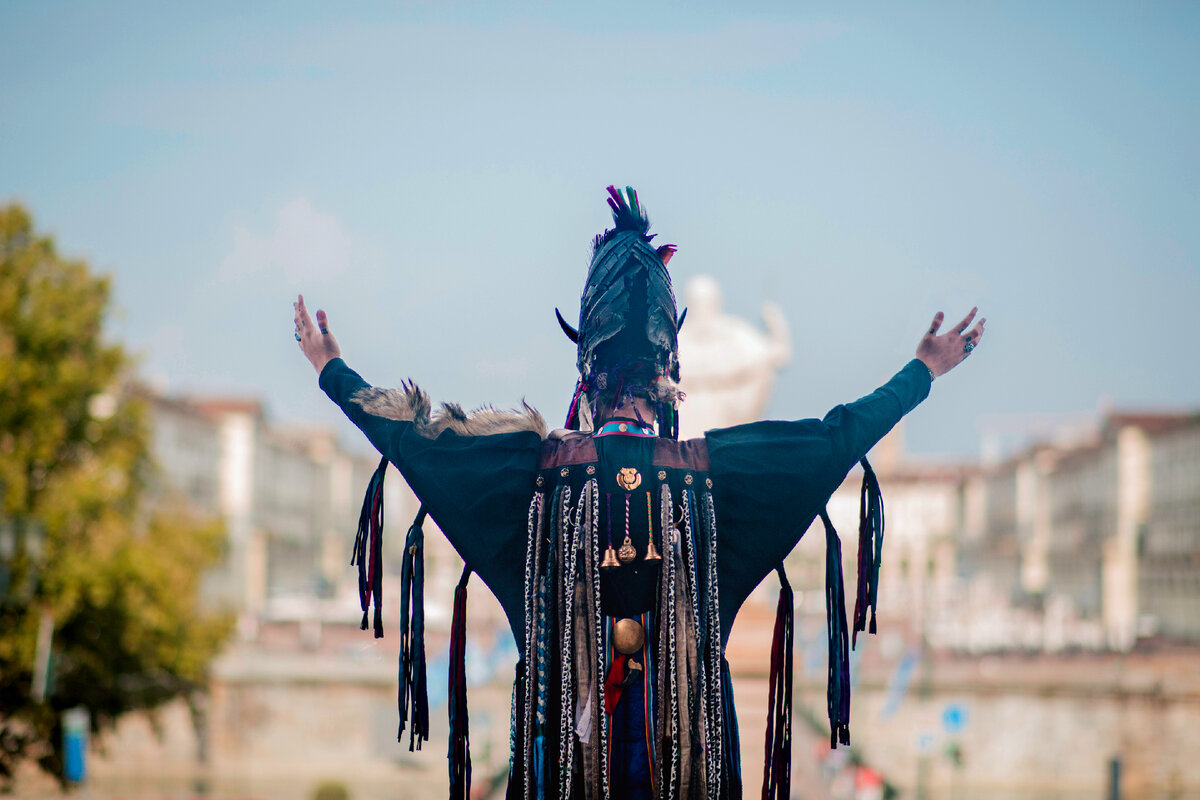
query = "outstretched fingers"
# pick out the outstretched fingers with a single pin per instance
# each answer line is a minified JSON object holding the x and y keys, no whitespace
{"x":302,"y":318}
{"x":315,"y":341}
{"x":962,"y":326}
{"x":975,"y":334}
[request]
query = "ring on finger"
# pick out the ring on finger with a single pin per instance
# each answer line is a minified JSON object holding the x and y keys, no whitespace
{"x":968,"y":347}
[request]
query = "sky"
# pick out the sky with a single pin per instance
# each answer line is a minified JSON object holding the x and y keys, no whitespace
{"x":432,"y":174}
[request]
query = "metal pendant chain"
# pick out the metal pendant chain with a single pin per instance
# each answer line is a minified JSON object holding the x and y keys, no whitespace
{"x":627,"y":552}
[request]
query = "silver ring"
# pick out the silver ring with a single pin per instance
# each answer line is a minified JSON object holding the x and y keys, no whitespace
{"x":297,"y":336}
{"x":968,"y":347}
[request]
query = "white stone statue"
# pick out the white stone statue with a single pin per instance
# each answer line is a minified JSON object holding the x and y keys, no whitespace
{"x":727,"y":365}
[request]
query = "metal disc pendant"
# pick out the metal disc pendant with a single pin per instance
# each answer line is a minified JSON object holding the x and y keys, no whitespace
{"x":628,"y":636}
{"x":626,"y":552}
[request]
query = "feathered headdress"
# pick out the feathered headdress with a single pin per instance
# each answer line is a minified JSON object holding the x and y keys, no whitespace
{"x":628,"y":330}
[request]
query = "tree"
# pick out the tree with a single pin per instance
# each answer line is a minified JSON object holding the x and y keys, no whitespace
{"x":87,"y":565}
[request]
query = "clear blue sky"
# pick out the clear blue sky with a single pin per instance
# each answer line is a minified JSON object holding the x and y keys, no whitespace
{"x":432,"y":173}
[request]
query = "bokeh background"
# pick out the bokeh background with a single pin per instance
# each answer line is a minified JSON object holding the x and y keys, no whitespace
{"x":432,"y":174}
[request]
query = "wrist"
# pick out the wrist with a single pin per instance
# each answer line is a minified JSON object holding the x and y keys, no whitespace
{"x":928,"y":369}
{"x":320,"y":362}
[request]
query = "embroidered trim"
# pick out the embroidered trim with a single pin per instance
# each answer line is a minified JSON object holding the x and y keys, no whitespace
{"x":617,"y":427}
{"x":716,"y":699}
{"x":533,"y":536}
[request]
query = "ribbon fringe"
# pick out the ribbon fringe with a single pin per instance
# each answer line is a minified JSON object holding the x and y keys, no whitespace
{"x":368,"y":550}
{"x":413,"y":695}
{"x":870,"y":551}
{"x":458,"y":750}
{"x":838,"y":693}
{"x":777,"y":764}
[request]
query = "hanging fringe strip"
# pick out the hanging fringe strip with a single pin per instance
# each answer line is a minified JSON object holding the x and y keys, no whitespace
{"x":717,"y":710}
{"x":516,"y":753}
{"x":732,"y":759}
{"x":413,"y":696}
{"x":459,"y":747}
{"x":368,"y":549}
{"x":839,"y":639}
{"x":697,"y":654}
{"x":777,"y":764}
{"x":870,"y":551}
{"x":596,"y":645}
{"x":532,"y":565}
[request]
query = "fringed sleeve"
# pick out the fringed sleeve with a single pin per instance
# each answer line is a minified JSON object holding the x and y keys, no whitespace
{"x":772,"y":478}
{"x":475,"y":487}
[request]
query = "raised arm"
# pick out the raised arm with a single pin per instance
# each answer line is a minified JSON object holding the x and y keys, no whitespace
{"x":772,"y":478}
{"x":475,"y":475}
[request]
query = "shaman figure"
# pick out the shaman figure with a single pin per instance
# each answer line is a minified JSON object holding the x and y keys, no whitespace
{"x":620,"y":554}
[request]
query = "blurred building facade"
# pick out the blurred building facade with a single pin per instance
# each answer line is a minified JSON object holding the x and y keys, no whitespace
{"x":1168,"y":579}
{"x":1090,"y":544}
{"x":290,"y":500}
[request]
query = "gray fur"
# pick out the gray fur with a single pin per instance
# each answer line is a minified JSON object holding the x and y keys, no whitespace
{"x":410,"y":404}
{"x":666,"y":390}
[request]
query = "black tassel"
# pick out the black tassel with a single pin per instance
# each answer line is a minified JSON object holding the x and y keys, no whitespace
{"x":459,"y":747}
{"x":870,"y":551}
{"x":413,"y":697}
{"x":838,"y":694}
{"x":368,"y":550}
{"x":731,"y":751}
{"x":777,"y":764}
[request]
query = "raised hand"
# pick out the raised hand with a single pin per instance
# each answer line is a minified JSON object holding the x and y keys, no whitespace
{"x":318,"y":344}
{"x":943,"y":353}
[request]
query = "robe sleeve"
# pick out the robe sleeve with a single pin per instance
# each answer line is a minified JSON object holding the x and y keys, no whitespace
{"x":771,"y":479}
{"x":476,"y":488}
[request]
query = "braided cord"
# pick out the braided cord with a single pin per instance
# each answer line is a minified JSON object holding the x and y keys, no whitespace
{"x":698,"y":699}
{"x":533,"y":529}
{"x":670,"y":577}
{"x":598,"y":627}
{"x":716,"y":700}
{"x":566,"y":723}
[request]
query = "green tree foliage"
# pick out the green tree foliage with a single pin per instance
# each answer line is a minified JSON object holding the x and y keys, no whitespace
{"x":82,"y":552}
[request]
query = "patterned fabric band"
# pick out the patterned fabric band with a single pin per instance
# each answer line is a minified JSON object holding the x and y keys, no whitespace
{"x":624,"y":428}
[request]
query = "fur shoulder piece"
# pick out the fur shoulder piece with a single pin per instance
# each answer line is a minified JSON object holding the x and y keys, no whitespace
{"x":410,"y":404}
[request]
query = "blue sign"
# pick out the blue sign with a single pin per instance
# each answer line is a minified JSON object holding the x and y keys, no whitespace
{"x":954,"y":717}
{"x":76,"y":722}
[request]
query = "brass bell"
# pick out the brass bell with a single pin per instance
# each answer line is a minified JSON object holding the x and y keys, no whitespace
{"x":652,"y":552}
{"x":610,"y":559}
